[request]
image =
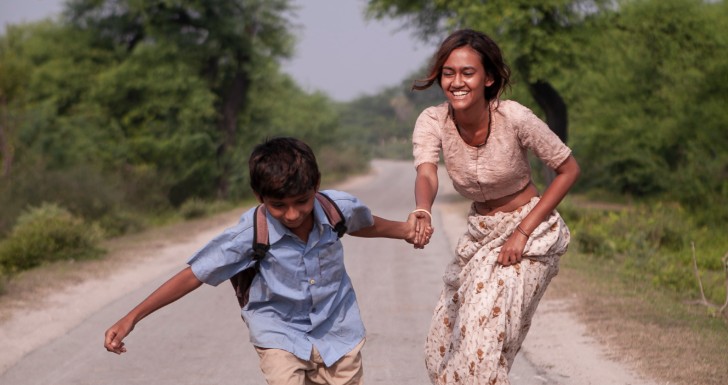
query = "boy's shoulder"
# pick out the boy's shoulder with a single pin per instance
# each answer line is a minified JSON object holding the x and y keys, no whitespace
{"x":356,"y":214}
{"x":340,"y":196}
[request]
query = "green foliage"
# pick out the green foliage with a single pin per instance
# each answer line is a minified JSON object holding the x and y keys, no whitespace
{"x":650,"y":243}
{"x":655,"y":128}
{"x":194,"y":208}
{"x":84,"y":190}
{"x":48,"y":233}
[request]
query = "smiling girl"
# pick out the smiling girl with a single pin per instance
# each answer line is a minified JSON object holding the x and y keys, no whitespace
{"x":514,"y":238}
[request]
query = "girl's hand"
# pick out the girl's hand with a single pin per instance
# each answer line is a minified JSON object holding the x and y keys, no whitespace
{"x":512,"y":251}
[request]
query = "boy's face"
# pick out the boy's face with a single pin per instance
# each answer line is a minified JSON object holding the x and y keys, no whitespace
{"x":293,"y":212}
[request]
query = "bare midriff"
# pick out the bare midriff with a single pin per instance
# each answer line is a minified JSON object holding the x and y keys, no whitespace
{"x":507,"y":203}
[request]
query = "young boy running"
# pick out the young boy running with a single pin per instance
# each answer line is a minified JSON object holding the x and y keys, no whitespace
{"x":302,"y":312}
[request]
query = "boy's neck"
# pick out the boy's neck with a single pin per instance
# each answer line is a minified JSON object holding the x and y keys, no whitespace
{"x":303,"y":231}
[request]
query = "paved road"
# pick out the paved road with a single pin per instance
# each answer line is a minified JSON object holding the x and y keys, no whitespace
{"x":202,"y":340}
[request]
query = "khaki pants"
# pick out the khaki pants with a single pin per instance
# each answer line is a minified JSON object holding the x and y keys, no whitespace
{"x":283,"y":368}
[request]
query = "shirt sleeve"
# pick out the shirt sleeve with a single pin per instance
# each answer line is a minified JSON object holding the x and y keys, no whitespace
{"x":356,"y":214}
{"x":535,"y":135}
{"x":426,"y":140}
{"x":225,"y":255}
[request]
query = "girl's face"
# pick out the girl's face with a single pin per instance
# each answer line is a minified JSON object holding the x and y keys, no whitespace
{"x":464,"y":79}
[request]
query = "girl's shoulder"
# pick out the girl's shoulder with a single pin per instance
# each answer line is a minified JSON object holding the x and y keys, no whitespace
{"x":438,"y":112}
{"x":510,"y":107}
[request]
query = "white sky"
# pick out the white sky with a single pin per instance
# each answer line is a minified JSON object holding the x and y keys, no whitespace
{"x":338,"y":52}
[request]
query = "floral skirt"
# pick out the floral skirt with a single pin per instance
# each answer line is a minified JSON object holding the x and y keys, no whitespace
{"x":485,"y":309}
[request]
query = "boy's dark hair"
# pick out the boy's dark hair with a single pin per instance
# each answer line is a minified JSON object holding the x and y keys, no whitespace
{"x":283,"y":167}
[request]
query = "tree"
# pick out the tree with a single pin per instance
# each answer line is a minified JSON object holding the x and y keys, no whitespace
{"x":221,"y":40}
{"x":13,"y":76}
{"x":539,"y":37}
{"x":656,"y":126}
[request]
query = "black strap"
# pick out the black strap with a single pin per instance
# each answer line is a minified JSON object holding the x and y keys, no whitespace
{"x":261,"y":245}
{"x":333,"y":213}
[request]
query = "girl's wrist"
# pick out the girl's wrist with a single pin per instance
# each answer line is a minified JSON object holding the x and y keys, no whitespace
{"x":520,"y":230}
{"x":429,"y":214}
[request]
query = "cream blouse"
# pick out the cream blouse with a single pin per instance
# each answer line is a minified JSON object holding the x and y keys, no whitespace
{"x":499,"y":167}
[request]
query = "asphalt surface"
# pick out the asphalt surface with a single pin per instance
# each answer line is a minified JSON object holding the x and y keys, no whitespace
{"x":201,"y":339}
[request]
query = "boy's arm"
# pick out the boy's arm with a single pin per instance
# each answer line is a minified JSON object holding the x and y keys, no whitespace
{"x":175,"y":288}
{"x":390,"y":229}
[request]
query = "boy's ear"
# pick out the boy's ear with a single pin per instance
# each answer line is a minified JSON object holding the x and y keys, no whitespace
{"x":258,"y":197}
{"x":318,"y":184}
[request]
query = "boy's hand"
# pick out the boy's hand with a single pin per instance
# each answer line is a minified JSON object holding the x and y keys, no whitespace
{"x":113,"y":338}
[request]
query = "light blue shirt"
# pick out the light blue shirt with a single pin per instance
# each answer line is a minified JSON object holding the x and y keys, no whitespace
{"x":302,"y":295}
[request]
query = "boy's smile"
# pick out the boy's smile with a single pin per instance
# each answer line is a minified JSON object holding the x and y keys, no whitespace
{"x":293,"y":212}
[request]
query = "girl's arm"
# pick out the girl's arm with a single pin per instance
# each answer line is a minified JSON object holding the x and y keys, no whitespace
{"x":175,"y":288}
{"x":426,"y":184}
{"x":566,"y":175}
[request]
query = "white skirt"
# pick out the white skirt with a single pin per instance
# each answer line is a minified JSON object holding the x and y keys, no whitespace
{"x":485,"y":309}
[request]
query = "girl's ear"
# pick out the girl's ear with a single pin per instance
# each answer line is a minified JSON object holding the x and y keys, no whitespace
{"x":489,"y":81}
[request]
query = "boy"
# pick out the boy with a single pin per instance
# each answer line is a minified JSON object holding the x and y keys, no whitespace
{"x":302,"y":312}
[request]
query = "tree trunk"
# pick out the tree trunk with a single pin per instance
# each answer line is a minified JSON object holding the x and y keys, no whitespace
{"x":232,"y":103}
{"x":556,"y":115}
{"x":6,"y":147}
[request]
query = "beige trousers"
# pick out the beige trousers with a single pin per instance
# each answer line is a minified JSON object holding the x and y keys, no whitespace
{"x":284,"y":368}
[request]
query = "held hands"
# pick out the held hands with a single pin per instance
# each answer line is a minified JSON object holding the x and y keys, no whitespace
{"x":421,"y":220}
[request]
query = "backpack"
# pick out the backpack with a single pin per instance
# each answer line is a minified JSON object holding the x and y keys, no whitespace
{"x":242,"y":280}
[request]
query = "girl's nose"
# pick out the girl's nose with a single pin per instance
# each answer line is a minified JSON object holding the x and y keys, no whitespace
{"x":458,"y":81}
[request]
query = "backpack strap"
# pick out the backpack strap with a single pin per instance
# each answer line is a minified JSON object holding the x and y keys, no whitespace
{"x":243,"y":279}
{"x":260,"y":234}
{"x":333,"y":213}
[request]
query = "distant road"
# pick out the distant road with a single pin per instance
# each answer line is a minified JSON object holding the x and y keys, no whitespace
{"x":202,"y":340}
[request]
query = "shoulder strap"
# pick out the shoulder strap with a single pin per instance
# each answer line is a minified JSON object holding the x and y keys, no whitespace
{"x":260,"y":233}
{"x":333,"y":213}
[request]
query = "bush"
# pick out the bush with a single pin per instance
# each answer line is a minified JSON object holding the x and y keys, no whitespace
{"x":194,"y":208}
{"x":118,"y":222}
{"x":48,"y":233}
{"x":650,"y":242}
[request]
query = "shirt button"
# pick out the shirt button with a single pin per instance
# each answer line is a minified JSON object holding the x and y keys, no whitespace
{"x":312,"y":281}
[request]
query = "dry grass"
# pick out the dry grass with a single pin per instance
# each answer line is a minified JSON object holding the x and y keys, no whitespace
{"x":671,"y":342}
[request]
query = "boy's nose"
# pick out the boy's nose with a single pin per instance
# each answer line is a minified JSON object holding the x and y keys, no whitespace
{"x":292,"y":214}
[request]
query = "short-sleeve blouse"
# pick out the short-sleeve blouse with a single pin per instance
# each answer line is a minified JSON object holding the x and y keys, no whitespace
{"x":498,"y":168}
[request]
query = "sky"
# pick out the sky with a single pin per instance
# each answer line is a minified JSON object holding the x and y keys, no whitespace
{"x":338,"y":52}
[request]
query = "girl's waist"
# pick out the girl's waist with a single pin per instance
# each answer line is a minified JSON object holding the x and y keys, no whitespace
{"x":507,"y":203}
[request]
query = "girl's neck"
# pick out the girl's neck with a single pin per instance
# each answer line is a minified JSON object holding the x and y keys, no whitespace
{"x":473,"y":119}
